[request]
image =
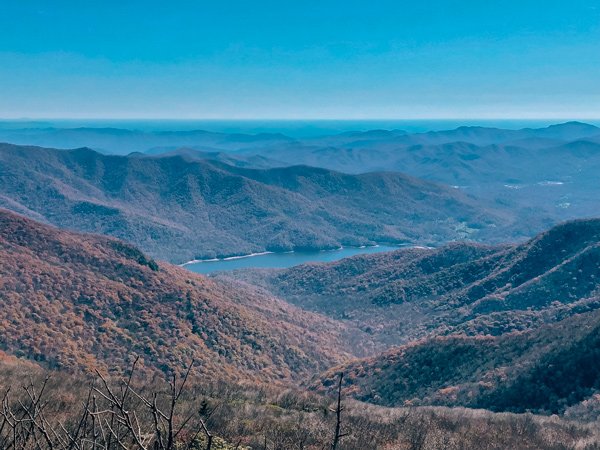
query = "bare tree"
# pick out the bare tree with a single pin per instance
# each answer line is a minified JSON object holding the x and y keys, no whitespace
{"x":338,"y":416}
{"x":109,"y":419}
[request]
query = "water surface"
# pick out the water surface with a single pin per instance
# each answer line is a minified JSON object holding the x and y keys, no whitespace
{"x":281,"y":260}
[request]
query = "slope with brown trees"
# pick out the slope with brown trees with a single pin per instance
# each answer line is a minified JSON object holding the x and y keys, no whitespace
{"x":81,"y":302}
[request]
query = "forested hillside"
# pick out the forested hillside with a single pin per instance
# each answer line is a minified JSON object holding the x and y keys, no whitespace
{"x":178,"y":209}
{"x":80,"y":302}
{"x":459,"y":288}
{"x":545,"y":370}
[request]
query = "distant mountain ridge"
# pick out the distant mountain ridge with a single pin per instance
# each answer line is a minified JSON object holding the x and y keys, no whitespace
{"x":408,"y":152}
{"x":125,"y":141}
{"x":544,"y":170}
{"x":553,"y":168}
{"x":179,"y":208}
{"x":230,"y":158}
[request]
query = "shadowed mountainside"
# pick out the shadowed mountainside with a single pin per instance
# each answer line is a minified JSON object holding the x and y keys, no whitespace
{"x":545,"y":370}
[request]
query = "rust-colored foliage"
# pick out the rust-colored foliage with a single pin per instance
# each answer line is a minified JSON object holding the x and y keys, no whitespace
{"x":85,"y":302}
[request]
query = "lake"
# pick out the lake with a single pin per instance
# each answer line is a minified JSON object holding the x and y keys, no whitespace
{"x":281,"y":260}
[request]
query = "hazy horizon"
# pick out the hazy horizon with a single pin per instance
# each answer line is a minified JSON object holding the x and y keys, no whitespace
{"x":234,"y":60}
{"x":297,"y":128}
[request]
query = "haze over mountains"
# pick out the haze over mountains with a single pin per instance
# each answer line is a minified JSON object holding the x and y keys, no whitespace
{"x":553,"y":168}
{"x":550,"y":170}
{"x":124,"y":141}
{"x":127,"y":140}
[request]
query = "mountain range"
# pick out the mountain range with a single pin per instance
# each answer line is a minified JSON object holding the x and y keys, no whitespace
{"x":445,"y":321}
{"x":124,"y":141}
{"x":508,"y":328}
{"x":551,"y":168}
{"x":178,"y":208}
{"x":549,"y":171}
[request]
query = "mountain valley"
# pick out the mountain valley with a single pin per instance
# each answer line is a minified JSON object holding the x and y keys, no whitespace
{"x":179,"y":209}
{"x":480,"y":308}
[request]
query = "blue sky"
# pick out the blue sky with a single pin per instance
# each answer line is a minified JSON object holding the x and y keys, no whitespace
{"x":292,"y":59}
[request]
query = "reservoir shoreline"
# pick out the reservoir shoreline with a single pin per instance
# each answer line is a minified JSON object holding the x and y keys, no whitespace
{"x":282,"y":259}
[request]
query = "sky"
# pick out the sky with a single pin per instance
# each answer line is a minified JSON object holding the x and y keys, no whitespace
{"x":300,"y":59}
